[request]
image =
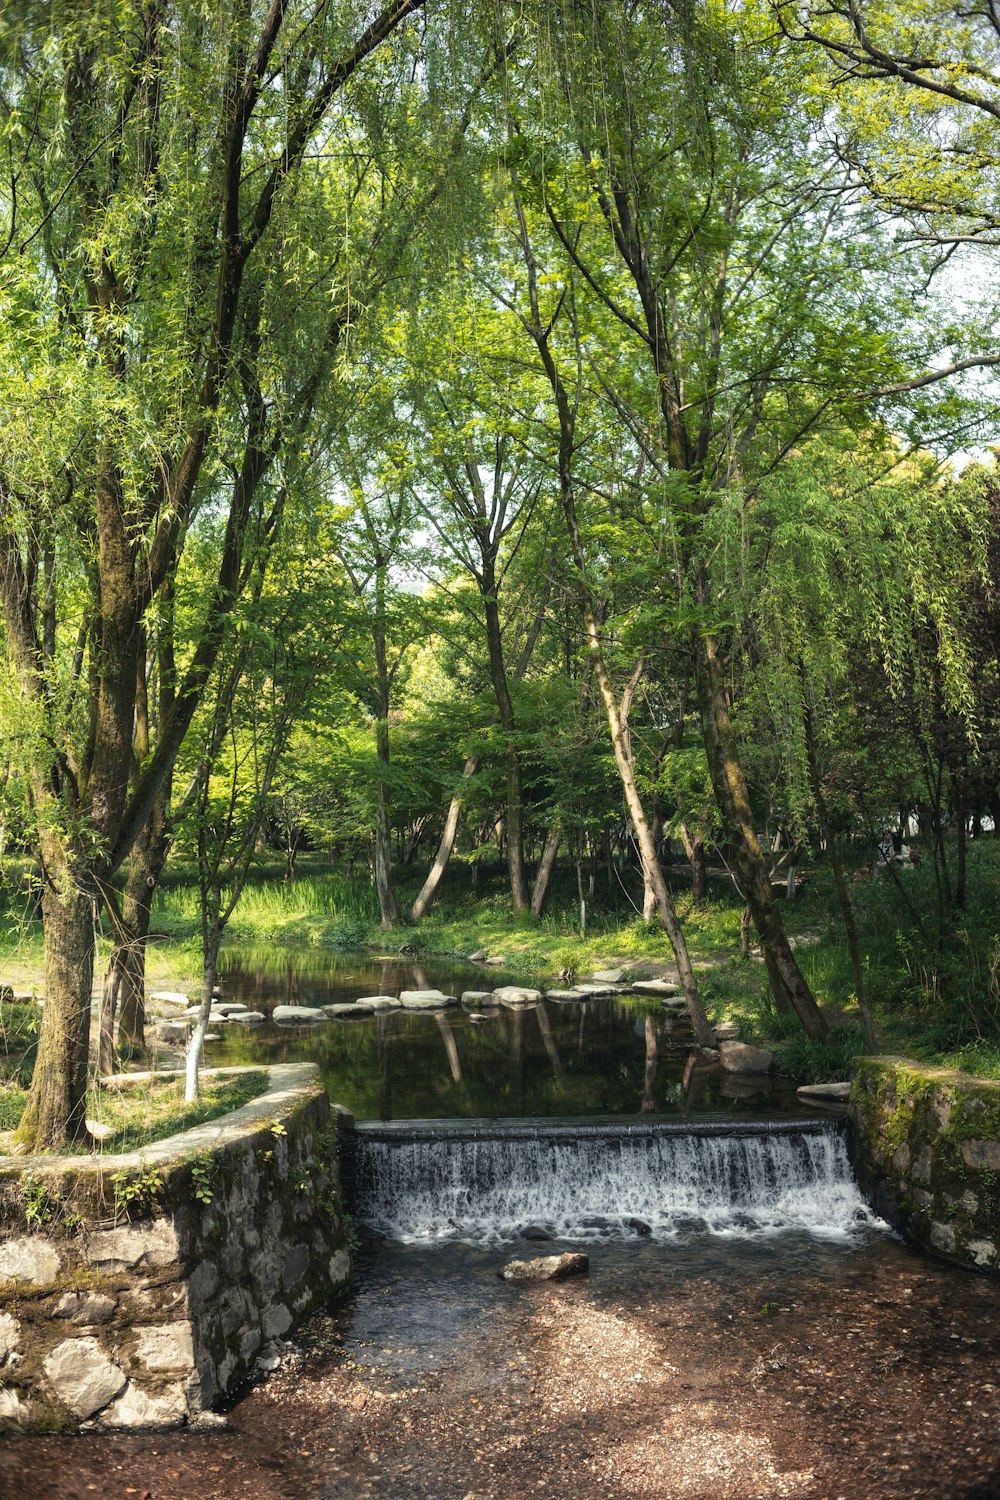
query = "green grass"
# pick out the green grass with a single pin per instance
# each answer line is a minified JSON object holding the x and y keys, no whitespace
{"x":149,"y":1110}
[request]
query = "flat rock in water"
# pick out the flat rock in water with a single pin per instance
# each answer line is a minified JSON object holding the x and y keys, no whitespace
{"x":837,"y":1091}
{"x":563,"y":997}
{"x":515,"y":994}
{"x":170,"y":997}
{"x":290,"y":1015}
{"x":228,"y":1008}
{"x":594,"y":991}
{"x":344,"y":1008}
{"x":547,"y":1267}
{"x":377,"y":1002}
{"x":607,"y":976}
{"x":740,"y":1057}
{"x":476,"y":997}
{"x":654,"y":986}
{"x":247,"y":1018}
{"x":425,"y":999}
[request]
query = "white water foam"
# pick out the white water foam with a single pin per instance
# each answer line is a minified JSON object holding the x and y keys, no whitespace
{"x":486,"y":1191}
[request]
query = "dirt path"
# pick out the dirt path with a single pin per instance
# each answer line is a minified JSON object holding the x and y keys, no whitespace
{"x":678,"y":1377}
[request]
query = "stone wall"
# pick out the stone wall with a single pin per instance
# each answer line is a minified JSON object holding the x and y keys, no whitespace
{"x":138,"y":1290}
{"x":927,"y":1148}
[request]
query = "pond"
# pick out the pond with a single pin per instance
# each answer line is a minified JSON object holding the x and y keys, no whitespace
{"x":603,"y":1056}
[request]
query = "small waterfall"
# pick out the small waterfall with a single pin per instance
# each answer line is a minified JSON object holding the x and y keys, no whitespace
{"x":493,"y":1182}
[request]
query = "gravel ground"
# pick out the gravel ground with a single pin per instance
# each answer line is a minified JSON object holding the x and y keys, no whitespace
{"x":719,"y":1372}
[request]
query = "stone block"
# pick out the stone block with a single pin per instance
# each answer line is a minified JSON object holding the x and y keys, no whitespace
{"x":276,"y":1320}
{"x":942,"y":1237}
{"x":136,"y":1407}
{"x":85,"y":1307}
{"x":166,"y":1346}
{"x":152,"y":1245}
{"x":10,"y":1335}
{"x":203,"y":1283}
{"x":14,"y":1411}
{"x":979,"y":1154}
{"x":29,"y":1258}
{"x":294,"y":1265}
{"x":339,"y":1268}
{"x":82,"y":1376}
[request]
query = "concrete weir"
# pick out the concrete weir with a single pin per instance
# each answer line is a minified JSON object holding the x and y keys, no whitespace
{"x":138,"y":1290}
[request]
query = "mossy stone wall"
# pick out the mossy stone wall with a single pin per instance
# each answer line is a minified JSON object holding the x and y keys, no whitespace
{"x":927,"y":1152}
{"x":139,"y":1290}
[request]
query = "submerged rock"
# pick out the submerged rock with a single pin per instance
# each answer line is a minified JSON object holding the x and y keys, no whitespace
{"x":740,"y":1057}
{"x":547,"y":1267}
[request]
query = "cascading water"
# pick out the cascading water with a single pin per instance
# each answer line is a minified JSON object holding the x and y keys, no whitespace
{"x":499,"y":1182}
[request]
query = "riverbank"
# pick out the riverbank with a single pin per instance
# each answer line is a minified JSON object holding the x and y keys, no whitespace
{"x":935,"y":999}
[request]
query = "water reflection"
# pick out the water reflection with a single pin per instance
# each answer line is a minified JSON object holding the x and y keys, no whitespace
{"x":599,"y":1057}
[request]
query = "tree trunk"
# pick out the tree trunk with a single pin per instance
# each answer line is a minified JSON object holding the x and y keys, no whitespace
{"x":547,"y":863}
{"x":843,"y":892}
{"x":788,"y":986}
{"x":125,"y":985}
{"x":57,"y":1100}
{"x":428,"y":890}
{"x":388,"y":905}
{"x":210,"y":972}
{"x":505,"y":711}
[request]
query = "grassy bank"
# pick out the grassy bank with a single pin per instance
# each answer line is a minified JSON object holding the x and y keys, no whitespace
{"x":931,"y":977}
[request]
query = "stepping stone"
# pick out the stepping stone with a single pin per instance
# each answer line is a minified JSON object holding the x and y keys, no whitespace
{"x":228,"y":1008}
{"x":516,"y":995}
{"x":425,"y":999}
{"x":607,"y":976}
{"x":373,"y":1003}
{"x":834,"y":1091}
{"x":565,"y":997}
{"x":476,"y":997}
{"x":296,"y":1015}
{"x":247,"y":1018}
{"x":344,"y":1008}
{"x":591,"y":991}
{"x":170,"y":997}
{"x":654,"y":986}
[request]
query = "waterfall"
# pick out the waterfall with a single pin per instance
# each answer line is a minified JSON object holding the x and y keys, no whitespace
{"x":498,"y":1181}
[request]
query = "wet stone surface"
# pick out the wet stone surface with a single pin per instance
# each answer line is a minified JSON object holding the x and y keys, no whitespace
{"x":711,"y":1369}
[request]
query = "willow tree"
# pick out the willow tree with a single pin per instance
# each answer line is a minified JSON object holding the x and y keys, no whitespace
{"x":159,"y":157}
{"x":691,"y":199}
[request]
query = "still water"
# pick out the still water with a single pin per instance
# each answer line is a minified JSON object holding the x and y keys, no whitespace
{"x":598,"y":1057}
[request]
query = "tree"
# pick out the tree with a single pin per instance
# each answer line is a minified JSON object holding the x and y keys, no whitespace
{"x":162,"y":160}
